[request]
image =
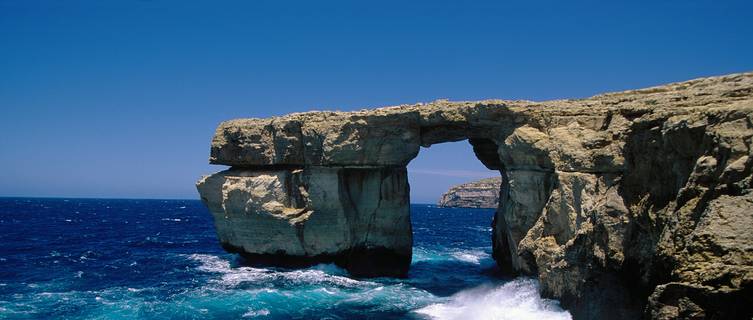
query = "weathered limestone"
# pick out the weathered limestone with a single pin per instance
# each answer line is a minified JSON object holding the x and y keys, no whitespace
{"x":387,"y":137}
{"x":482,"y":193}
{"x":625,"y":204}
{"x":358,"y":217}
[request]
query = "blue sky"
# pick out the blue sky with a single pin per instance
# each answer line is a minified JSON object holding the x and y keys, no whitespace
{"x":120,"y":98}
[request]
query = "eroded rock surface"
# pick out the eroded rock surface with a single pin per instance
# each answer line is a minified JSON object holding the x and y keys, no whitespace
{"x":625,"y":205}
{"x":482,"y":193}
{"x":357,"y":217}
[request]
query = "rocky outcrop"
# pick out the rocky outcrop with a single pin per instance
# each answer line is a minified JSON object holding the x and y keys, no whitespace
{"x":627,"y":204}
{"x":483,"y":193}
{"x":358,"y":217}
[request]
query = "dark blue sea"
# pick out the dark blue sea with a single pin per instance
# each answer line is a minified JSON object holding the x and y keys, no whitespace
{"x":160,"y":259}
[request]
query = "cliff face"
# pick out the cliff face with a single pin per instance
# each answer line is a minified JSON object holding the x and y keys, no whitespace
{"x":483,"y":193}
{"x":357,"y":217}
{"x":626,"y":204}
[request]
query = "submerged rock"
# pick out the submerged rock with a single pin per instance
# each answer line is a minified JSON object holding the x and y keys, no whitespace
{"x":627,"y":204}
{"x":483,"y":193}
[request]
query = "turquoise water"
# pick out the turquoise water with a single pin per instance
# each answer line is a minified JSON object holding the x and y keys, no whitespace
{"x":159,"y":259}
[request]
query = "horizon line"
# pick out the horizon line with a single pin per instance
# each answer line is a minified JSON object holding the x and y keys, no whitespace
{"x":168,"y":199}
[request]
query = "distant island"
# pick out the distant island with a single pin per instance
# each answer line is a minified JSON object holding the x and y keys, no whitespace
{"x":483,"y":193}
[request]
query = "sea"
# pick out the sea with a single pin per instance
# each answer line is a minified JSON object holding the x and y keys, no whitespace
{"x":160,"y":259}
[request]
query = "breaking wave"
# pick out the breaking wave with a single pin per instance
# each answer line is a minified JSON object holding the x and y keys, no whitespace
{"x":518,"y":299}
{"x":323,"y":274}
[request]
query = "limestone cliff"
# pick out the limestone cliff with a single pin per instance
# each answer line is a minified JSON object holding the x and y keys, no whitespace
{"x":483,"y":193}
{"x":628,"y":204}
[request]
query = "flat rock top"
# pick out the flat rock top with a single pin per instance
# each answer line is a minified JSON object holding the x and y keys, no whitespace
{"x":393,"y":135}
{"x":702,"y":92}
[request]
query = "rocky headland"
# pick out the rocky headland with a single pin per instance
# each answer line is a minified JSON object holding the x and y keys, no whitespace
{"x":482,"y":193}
{"x":624,"y":205}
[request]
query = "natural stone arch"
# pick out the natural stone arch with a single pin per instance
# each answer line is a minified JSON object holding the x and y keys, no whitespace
{"x":580,"y":205}
{"x":346,"y":153}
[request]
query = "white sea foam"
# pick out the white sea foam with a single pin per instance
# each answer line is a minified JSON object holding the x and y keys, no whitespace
{"x":255,"y":313}
{"x":233,"y":276}
{"x":479,"y":228}
{"x":474,"y":256}
{"x":471,"y":256}
{"x":87,"y":255}
{"x":518,"y":299}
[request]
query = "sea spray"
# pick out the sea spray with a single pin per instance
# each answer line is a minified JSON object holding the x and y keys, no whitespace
{"x":516,"y":300}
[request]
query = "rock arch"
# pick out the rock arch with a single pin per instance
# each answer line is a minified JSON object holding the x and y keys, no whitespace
{"x":607,"y":200}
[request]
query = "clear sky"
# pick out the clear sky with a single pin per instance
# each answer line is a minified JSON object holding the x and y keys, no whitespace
{"x":120,"y":98}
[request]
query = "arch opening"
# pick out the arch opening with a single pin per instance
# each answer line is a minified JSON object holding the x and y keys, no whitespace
{"x":460,"y":163}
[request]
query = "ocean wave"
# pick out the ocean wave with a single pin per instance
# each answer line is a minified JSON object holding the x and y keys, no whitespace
{"x":157,"y":270}
{"x":60,"y":304}
{"x":480,"y":228}
{"x":255,"y":313}
{"x":470,"y":256}
{"x":518,"y":299}
{"x":327,"y":274}
{"x":473,"y":256}
{"x":302,"y":291}
{"x":322,"y":290}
